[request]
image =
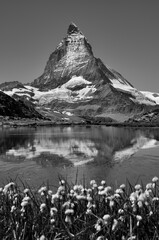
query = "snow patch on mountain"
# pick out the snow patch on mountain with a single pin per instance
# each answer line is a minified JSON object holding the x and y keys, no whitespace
{"x":118,"y":83}
{"x":18,"y":91}
{"x":76,"y":81}
{"x":152,"y":96}
{"x":67,"y":113}
{"x":64,"y":92}
{"x":137,"y":96}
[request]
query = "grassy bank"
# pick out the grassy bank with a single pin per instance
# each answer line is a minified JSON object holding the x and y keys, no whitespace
{"x":80,"y":212}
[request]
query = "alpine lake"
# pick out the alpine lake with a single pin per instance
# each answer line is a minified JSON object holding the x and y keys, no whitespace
{"x":79,"y":154}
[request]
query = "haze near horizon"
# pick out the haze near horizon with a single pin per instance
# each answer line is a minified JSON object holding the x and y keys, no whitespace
{"x":124,"y":35}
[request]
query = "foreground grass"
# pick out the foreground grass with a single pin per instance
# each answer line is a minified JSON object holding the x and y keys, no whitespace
{"x":77,"y":212}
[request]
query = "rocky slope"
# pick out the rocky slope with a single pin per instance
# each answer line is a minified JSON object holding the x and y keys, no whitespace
{"x":77,"y":84}
{"x":150,"y":118}
{"x":16,"y":109}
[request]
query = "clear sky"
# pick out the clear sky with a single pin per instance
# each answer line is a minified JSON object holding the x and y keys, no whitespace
{"x":123,"y":33}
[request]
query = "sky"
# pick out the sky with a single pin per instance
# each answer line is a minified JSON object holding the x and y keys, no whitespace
{"x":123,"y":33}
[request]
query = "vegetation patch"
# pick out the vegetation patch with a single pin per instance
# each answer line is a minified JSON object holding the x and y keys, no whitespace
{"x":95,"y":212}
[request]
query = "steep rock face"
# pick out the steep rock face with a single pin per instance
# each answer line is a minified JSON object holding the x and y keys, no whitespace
{"x":13,"y":108}
{"x":73,"y":56}
{"x":8,"y":86}
{"x":147,"y":118}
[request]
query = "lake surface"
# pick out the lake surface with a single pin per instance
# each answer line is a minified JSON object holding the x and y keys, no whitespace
{"x":41,"y":154}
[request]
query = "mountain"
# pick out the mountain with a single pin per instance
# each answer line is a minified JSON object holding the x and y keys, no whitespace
{"x":12,"y":108}
{"x":77,"y":84}
{"x":150,"y":118}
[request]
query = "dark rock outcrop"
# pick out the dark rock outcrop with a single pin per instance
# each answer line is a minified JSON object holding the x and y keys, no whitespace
{"x":12,"y":108}
{"x":7,"y":86}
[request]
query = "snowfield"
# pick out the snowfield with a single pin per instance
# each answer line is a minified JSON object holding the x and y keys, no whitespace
{"x":63,"y":93}
{"x":67,"y":93}
{"x":137,"y":96}
{"x":76,"y":81}
{"x":151,"y":95}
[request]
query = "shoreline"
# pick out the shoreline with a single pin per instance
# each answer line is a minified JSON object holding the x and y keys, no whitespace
{"x":35,"y":123}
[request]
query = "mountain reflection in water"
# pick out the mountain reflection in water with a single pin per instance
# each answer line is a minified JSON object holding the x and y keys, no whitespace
{"x":74,"y":146}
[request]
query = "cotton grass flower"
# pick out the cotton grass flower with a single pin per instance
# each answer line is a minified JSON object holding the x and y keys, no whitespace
{"x":148,"y":192}
{"x":155,"y":179}
{"x":78,"y":188}
{"x":133,"y":197}
{"x":94,"y":186}
{"x":149,"y":186}
{"x":50,"y":192}
{"x":42,"y":237}
{"x":92,"y":182}
{"x":138,"y":187}
{"x":81,"y":197}
{"x":139,"y":218}
{"x":68,"y":219}
{"x":120,"y":211}
{"x":155,"y":199}
{"x":54,"y":197}
{"x":108,"y":190}
{"x":88,"y":211}
{"x":142,"y":197}
{"x":24,"y":204}
{"x":9,"y":186}
{"x":140,"y":204}
{"x":26,"y":199}
{"x":42,"y":207}
{"x":103,"y":183}
{"x":119,"y":191}
{"x":106,"y":217}
{"x":101,"y":238}
{"x":61,"y":190}
{"x":26,"y":191}
{"x":13,"y":208}
{"x":122,"y":186}
{"x":53,"y":211}
{"x":98,"y":227}
{"x":115,"y":223}
{"x":62,"y":182}
{"x":72,"y":191}
{"x":42,"y":189}
{"x":100,"y":188}
{"x":111,"y":204}
{"x":69,"y":212}
{"x":52,"y":220}
{"x":116,"y":195}
{"x":89,"y":198}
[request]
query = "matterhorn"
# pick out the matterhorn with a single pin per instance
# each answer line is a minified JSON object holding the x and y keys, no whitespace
{"x":77,"y":85}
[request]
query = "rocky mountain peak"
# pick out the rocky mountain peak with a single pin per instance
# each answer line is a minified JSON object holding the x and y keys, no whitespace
{"x":72,"y":57}
{"x":73,"y":29}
